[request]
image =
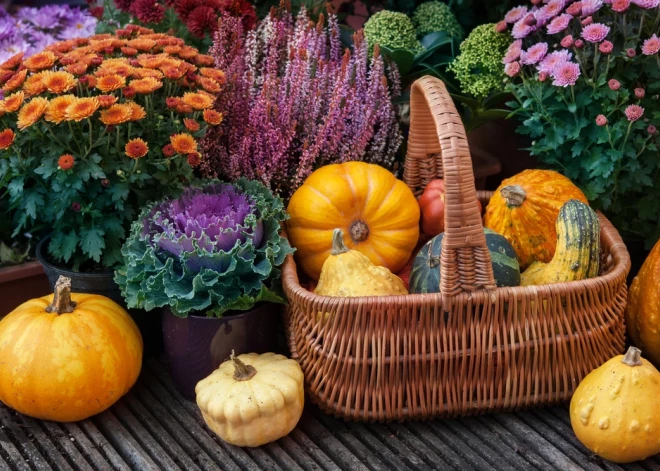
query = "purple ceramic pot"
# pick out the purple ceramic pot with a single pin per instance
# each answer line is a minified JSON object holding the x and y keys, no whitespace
{"x":196,"y":345}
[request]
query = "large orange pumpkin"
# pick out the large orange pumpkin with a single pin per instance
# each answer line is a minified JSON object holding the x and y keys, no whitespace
{"x":66,"y":357}
{"x":524,"y":209}
{"x":377,"y":213}
{"x":643,"y":309}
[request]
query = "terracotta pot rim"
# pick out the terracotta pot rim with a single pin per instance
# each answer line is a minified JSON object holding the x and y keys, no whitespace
{"x":240,"y":314}
{"x":19,"y":272}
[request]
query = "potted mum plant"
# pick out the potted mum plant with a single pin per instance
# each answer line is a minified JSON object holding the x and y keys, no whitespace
{"x":586,"y":78}
{"x":209,"y":259}
{"x":91,"y":130}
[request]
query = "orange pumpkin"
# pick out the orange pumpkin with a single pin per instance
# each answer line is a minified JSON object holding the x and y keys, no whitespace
{"x":643,"y":309}
{"x":432,"y":208}
{"x":377,"y":213}
{"x":524,"y":209}
{"x":66,"y":357}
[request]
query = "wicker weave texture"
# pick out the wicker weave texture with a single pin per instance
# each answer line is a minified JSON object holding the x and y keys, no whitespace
{"x":472,"y":348}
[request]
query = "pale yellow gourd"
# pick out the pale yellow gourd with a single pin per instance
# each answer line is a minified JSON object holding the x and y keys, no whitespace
{"x":615,"y":410}
{"x":252,"y":399}
{"x":349,"y":273}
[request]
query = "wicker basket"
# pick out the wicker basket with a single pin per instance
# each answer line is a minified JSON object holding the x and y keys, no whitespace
{"x":473,"y":348}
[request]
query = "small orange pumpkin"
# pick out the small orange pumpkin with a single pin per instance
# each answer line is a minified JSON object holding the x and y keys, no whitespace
{"x":643,"y":309}
{"x":524,"y":209}
{"x":377,"y":213}
{"x":432,"y":208}
{"x":66,"y":357}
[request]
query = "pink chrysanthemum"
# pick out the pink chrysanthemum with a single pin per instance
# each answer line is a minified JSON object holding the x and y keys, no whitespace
{"x":647,"y":4}
{"x":534,"y":54}
{"x":579,"y":44}
{"x":606,"y":47}
{"x":521,"y":29}
{"x":651,"y":129}
{"x":559,"y":24}
{"x":501,"y":26}
{"x":567,"y":41}
{"x":589,"y":7}
{"x":513,"y":53}
{"x":543,"y":76}
{"x":601,"y":120}
{"x":515,"y":14}
{"x":575,"y":9}
{"x":640,"y":93}
{"x":630,"y":52}
{"x":614,"y":84}
{"x":651,"y":46}
{"x":566,"y":74}
{"x":620,"y":6}
{"x":554,"y":59}
{"x":512,"y":69}
{"x":595,"y":33}
{"x":549,"y":11}
{"x":587,"y":21}
{"x":634,"y":112}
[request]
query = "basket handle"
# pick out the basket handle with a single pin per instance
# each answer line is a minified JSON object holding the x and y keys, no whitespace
{"x":435,"y":125}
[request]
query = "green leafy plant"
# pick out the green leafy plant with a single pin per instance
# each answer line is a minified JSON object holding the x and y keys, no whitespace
{"x":214,"y":249}
{"x":434,"y":16}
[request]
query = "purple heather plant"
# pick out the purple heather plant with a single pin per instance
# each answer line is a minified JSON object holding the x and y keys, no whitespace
{"x":295,"y":100}
{"x":213,"y":249}
{"x":589,"y":103}
{"x":32,"y":29}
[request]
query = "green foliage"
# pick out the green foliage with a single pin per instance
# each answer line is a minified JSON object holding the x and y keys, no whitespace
{"x":219,"y":280}
{"x":434,"y":16}
{"x":392,"y":30}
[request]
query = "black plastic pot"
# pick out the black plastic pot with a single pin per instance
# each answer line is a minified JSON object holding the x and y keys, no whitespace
{"x":103,"y":283}
{"x":196,"y":345}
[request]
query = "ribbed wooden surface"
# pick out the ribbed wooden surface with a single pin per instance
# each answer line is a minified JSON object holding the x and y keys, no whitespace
{"x":470,"y":349}
{"x":154,"y":428}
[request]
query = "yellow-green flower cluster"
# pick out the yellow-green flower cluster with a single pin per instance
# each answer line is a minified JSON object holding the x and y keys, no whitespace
{"x":392,"y":30}
{"x":478,"y":67}
{"x":434,"y":16}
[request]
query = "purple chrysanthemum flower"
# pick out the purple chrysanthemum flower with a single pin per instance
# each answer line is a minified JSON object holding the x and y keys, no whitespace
{"x":534,"y":54}
{"x":566,"y":74}
{"x":549,"y":11}
{"x":595,"y":32}
{"x":559,"y":24}
{"x":651,"y":46}
{"x":521,"y":29}
{"x":8,"y":29}
{"x":646,"y":4}
{"x":554,"y":59}
{"x":589,"y":7}
{"x":634,"y":112}
{"x":513,"y":53}
{"x":515,"y":14}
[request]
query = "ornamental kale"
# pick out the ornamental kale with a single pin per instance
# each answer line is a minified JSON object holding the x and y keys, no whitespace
{"x":586,"y":78}
{"x":214,"y":249}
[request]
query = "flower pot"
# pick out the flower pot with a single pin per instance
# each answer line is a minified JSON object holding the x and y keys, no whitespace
{"x":103,"y":283}
{"x":21,"y":283}
{"x":196,"y":345}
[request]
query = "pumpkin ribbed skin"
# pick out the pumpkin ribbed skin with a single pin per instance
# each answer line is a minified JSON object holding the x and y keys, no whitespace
{"x":377,"y":213}
{"x":68,"y":367}
{"x":524,"y":210}
{"x":577,"y":255}
{"x":643,"y":309}
{"x":425,"y":275}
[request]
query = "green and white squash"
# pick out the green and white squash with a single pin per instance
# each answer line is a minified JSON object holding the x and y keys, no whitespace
{"x":425,"y":274}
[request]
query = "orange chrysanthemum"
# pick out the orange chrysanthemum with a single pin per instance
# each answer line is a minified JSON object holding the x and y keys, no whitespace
{"x":40,"y":61}
{"x":31,"y":112}
{"x":173,"y":73}
{"x":100,"y":45}
{"x":62,"y":46}
{"x":106,"y":101}
{"x":56,"y":109}
{"x":77,"y":68}
{"x":34,"y":84}
{"x":111,"y":82}
{"x":215,"y":74}
{"x":6,"y":139}
{"x":151,"y":61}
{"x":82,"y":108}
{"x":146,"y":85}
{"x":182,"y":108}
{"x":188,"y":52}
{"x":194,"y":159}
{"x":136,"y":148}
{"x":144,"y":73}
{"x":191,"y":125}
{"x":137,"y":112}
{"x":209,"y":84}
{"x":15,"y":82}
{"x":12,"y":103}
{"x":212,"y":117}
{"x":142,"y":44}
{"x":171,"y":62}
{"x":204,"y":60}
{"x":66,"y":161}
{"x":116,"y":114}
{"x":13,"y":62}
{"x":197,"y":100}
{"x":183,"y":143}
{"x":129,"y":51}
{"x":118,"y":65}
{"x":172,"y":49}
{"x":58,"y":82}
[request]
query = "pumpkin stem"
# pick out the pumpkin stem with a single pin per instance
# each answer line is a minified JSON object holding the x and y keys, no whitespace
{"x":242,"y":372}
{"x":359,"y":231}
{"x":62,"y":302}
{"x":514,"y":195}
{"x":633,"y":357}
{"x":338,"y":246}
